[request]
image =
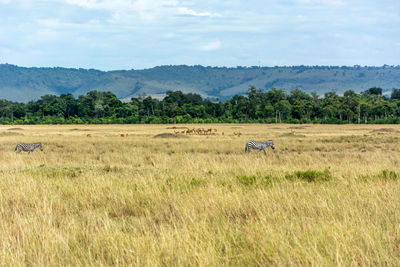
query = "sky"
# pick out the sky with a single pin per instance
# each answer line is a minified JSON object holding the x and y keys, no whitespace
{"x":138,"y":34}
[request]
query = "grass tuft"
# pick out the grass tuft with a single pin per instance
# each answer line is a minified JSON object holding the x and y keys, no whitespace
{"x":389,"y":175}
{"x":255,"y":180}
{"x":247,"y":180}
{"x":311,"y":175}
{"x":197,"y":182}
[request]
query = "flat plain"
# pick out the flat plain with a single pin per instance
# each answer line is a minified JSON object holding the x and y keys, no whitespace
{"x":327,"y":195}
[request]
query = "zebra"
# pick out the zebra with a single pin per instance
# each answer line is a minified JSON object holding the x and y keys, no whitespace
{"x":28,"y":147}
{"x":259,"y":145}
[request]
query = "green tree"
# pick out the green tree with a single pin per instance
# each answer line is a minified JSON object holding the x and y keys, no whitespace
{"x":373,"y":91}
{"x":241,"y":105}
{"x":277,"y":98}
{"x":352,"y":105}
{"x":395,"y":94}
{"x":284,"y":109}
{"x":67,"y":104}
{"x":254,"y":100}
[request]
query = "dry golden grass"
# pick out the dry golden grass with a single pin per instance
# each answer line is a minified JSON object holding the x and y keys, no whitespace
{"x":327,"y":195}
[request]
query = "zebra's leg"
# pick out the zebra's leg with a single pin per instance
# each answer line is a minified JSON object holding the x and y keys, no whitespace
{"x":246,"y":149}
{"x":265,"y":153}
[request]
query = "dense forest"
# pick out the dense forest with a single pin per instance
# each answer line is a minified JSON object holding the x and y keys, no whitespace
{"x":262,"y":106}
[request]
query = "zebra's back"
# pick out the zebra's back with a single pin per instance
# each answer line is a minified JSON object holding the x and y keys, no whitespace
{"x":259,"y":145}
{"x":28,"y":147}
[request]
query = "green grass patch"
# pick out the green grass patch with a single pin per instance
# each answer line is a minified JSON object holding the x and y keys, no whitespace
{"x":310,"y":175}
{"x":386,"y":175}
{"x":389,"y":175}
{"x":197,"y":182}
{"x":254,"y":180}
{"x":247,"y":180}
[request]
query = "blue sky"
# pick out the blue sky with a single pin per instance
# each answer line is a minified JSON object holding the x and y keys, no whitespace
{"x":136,"y":34}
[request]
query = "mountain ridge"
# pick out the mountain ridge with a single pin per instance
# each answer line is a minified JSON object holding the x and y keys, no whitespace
{"x":29,"y":83}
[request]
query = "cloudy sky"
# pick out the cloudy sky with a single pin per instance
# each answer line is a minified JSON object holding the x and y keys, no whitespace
{"x":136,"y":34}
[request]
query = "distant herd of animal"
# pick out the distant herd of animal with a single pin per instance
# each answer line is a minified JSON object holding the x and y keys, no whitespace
{"x":259,"y":145}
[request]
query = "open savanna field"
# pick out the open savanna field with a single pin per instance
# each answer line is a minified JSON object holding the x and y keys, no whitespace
{"x":327,"y":195}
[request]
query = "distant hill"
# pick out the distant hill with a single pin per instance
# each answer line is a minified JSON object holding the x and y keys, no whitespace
{"x":25,"y":84}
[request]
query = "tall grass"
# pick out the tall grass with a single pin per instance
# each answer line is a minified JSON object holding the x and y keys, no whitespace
{"x":329,"y":197}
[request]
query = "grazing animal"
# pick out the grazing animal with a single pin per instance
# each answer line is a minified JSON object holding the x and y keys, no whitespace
{"x":122,"y":135}
{"x":88,"y":135}
{"x":238,"y":134}
{"x":259,"y":145}
{"x":28,"y":147}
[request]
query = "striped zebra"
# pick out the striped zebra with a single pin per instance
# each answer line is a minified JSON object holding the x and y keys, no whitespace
{"x":259,"y":145}
{"x":28,"y":147}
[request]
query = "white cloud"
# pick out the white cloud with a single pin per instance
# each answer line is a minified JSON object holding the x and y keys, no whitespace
{"x":211,"y":46}
{"x":151,"y":10}
{"x":187,"y":11}
{"x":147,"y":10}
{"x":56,"y":24}
{"x":99,"y":4}
{"x":323,"y":2}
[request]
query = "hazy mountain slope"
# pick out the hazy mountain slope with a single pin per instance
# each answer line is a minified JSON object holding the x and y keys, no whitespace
{"x":24,"y":84}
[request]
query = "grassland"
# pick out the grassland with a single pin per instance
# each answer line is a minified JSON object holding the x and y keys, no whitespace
{"x":327,"y":195}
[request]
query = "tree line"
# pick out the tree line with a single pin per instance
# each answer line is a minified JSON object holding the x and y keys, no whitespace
{"x":270,"y":106}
